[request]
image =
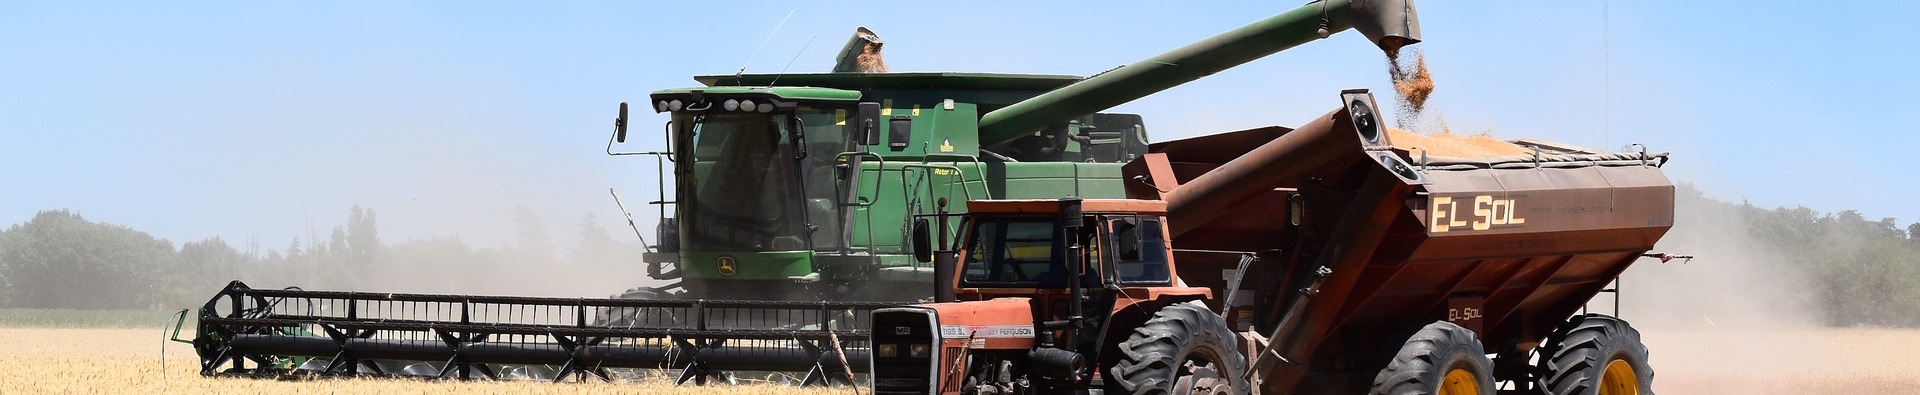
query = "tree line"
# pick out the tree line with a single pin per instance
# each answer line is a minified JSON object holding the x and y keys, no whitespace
{"x":59,"y":259}
{"x":1853,"y":270}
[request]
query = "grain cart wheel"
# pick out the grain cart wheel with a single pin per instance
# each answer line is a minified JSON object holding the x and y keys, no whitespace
{"x":1595,"y":354}
{"x":1441,"y":358}
{"x":1183,"y":349}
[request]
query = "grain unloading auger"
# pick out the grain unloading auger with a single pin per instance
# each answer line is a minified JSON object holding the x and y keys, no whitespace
{"x":782,"y":191}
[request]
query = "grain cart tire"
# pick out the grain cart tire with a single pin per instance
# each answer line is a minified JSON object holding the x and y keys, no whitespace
{"x":1184,"y":348}
{"x":1595,"y":354}
{"x":1441,"y":358}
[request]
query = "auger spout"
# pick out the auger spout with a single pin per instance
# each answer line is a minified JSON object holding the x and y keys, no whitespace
{"x":1390,"y":24}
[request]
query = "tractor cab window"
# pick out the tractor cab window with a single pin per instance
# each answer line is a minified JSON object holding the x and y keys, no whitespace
{"x":1140,"y":250}
{"x":1014,"y":252}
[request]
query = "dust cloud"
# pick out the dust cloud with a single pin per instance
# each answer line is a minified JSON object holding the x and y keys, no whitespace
{"x":1728,"y":321}
{"x":1737,"y":282}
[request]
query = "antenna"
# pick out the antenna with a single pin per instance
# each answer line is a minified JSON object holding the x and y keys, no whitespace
{"x":796,"y":56}
{"x":763,"y":42}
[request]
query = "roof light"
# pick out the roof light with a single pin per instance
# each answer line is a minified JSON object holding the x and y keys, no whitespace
{"x":731,"y":105}
{"x":674,"y":105}
{"x":745,"y":105}
{"x":660,"y":106}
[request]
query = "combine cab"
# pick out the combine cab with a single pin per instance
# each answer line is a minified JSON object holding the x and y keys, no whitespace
{"x":1322,"y":259}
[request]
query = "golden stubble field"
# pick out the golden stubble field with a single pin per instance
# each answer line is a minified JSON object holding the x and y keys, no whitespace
{"x":1791,"y":361}
{"x":1785,"y":361}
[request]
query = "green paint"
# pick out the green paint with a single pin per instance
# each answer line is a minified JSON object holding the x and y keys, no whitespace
{"x":773,"y":265}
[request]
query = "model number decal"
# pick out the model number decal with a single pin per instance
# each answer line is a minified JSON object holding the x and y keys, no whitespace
{"x":1483,"y":212}
{"x":984,"y":332}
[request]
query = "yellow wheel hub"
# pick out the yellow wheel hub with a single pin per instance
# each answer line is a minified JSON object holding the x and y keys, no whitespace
{"x":1619,"y":379}
{"x":1459,"y":382}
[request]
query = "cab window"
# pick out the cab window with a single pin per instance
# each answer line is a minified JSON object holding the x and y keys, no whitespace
{"x":1140,"y":250}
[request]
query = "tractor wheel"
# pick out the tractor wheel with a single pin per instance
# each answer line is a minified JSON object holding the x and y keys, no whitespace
{"x":1595,"y":354}
{"x":1183,"y":349}
{"x":1441,"y":358}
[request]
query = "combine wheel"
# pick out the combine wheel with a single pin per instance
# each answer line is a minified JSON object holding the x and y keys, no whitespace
{"x":1442,"y":358}
{"x":1183,"y":349}
{"x":1595,"y":354}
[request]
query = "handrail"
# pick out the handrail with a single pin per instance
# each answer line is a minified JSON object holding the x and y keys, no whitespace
{"x":878,"y":170}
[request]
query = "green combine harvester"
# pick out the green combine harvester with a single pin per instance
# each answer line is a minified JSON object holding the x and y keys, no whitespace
{"x":794,"y":200}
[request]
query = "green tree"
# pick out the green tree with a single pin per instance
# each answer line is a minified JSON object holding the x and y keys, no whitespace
{"x":201,"y":266}
{"x":60,"y":260}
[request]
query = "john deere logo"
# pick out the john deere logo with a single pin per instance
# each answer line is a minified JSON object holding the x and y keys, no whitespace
{"x":727,"y":265}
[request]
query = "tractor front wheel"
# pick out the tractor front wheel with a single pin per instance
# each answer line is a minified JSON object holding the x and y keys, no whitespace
{"x":1595,"y":354}
{"x":1183,"y":349}
{"x":1442,"y":358}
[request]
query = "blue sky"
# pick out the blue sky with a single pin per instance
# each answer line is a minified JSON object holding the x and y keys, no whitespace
{"x":266,"y":121}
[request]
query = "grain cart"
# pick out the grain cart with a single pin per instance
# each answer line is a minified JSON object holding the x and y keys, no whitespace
{"x":1315,"y":260}
{"x":794,"y":194}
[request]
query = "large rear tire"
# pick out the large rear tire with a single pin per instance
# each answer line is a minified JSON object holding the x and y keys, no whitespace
{"x":1441,"y":358}
{"x":1595,"y":354}
{"x":1183,"y":349}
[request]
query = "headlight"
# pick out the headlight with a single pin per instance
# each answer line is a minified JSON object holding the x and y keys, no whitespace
{"x":918,"y":351}
{"x":886,"y":351}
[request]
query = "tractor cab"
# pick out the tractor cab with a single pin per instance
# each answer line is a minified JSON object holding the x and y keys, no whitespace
{"x":1039,"y":284}
{"x":1036,"y":247}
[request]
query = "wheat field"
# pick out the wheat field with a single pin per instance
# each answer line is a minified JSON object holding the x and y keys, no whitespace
{"x":1798,"y":361}
{"x":128,"y":361}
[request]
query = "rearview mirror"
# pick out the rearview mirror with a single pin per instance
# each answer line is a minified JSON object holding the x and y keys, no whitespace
{"x":922,"y":241}
{"x":867,"y":120}
{"x":620,"y":124}
{"x":1126,"y":235}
